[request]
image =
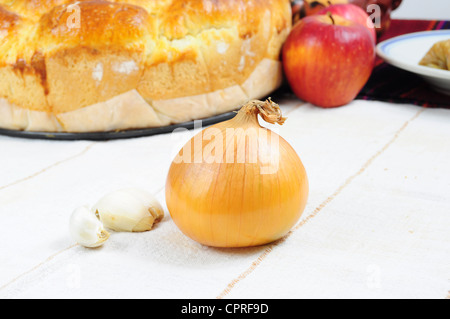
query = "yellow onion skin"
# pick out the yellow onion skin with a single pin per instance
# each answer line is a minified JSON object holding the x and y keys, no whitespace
{"x":234,"y":204}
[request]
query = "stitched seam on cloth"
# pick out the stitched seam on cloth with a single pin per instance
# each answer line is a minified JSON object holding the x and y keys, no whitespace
{"x":349,"y":180}
{"x":48,"y":168}
{"x":36,"y":267}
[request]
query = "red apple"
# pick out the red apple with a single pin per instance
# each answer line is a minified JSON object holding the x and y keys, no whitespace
{"x":328,"y":59}
{"x":311,"y":7}
{"x":353,"y":13}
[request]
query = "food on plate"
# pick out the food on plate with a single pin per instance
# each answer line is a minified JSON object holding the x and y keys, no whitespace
{"x":438,"y":56}
{"x":238,"y":184}
{"x":328,"y":59}
{"x":129,"y":210}
{"x":97,"y":65}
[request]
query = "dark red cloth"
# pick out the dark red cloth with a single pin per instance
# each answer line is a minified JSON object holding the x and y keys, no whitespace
{"x":391,"y":84}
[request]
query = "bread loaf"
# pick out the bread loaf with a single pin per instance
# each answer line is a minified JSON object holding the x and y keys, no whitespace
{"x":100,"y":65}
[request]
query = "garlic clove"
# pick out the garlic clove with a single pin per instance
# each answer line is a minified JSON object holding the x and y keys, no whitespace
{"x":149,"y":201}
{"x":129,"y":210}
{"x":86,"y":229}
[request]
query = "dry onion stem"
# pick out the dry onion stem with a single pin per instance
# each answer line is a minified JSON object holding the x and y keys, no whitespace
{"x":237,"y":184}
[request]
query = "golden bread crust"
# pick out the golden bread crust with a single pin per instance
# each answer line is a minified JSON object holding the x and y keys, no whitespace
{"x":101,"y":24}
{"x":7,"y":22}
{"x":60,"y":56}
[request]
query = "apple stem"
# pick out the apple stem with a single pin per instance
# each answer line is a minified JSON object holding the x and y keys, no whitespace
{"x":331,"y":17}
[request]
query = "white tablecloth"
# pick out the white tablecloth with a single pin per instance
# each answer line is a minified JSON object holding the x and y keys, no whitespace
{"x":377,"y":223}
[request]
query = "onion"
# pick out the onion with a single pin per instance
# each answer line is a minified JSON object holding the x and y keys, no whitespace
{"x":237,"y":184}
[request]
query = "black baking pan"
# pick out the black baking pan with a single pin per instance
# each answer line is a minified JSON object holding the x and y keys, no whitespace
{"x":116,"y":135}
{"x":279,"y":95}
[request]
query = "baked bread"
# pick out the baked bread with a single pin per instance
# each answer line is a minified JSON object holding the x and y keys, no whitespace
{"x":90,"y":66}
{"x":438,"y":56}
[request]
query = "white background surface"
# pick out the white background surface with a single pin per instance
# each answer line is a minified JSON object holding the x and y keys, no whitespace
{"x":420,"y":9}
{"x":376,"y":224}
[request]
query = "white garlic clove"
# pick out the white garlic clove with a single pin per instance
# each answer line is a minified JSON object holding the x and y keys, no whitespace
{"x":149,"y":201}
{"x":129,"y":210}
{"x":86,"y":229}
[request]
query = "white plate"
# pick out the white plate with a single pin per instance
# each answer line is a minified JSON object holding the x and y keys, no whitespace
{"x":406,"y":51}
